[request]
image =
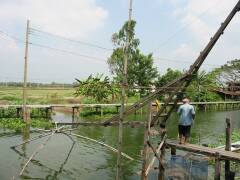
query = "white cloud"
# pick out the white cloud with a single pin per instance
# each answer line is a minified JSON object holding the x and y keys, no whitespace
{"x":204,"y":17}
{"x":184,"y":51}
{"x":201,"y":20}
{"x":71,"y":18}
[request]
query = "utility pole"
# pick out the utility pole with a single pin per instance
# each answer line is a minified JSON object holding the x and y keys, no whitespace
{"x":25,"y":111}
{"x":123,"y":95}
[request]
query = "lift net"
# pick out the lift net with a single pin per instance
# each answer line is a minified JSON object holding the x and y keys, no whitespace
{"x":192,"y":167}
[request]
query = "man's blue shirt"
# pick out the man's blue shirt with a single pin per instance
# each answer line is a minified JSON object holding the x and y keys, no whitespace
{"x":186,"y":112}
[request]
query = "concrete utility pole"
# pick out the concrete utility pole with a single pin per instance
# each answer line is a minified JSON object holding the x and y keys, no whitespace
{"x":123,"y":98}
{"x":25,"y":111}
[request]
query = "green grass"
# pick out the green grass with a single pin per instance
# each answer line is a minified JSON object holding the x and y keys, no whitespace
{"x":13,"y":95}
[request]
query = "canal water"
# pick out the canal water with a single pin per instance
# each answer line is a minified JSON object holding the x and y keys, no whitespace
{"x":85,"y":160}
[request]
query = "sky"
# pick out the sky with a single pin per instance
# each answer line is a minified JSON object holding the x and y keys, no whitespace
{"x":174,"y":31}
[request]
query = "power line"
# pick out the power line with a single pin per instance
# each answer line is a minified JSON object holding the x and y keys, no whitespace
{"x":33,"y":32}
{"x":180,"y":62}
{"x":183,"y":28}
{"x":68,"y":52}
{"x":11,"y":36}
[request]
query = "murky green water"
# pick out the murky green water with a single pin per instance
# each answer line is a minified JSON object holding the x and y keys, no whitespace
{"x":63,"y":159}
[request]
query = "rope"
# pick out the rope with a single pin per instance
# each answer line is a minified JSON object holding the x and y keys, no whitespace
{"x":103,"y":144}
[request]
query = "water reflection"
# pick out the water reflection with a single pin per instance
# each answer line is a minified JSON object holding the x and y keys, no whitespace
{"x":66,"y":157}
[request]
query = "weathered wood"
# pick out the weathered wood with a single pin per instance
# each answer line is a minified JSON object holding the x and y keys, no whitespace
{"x":19,"y":109}
{"x":217,"y":167}
{"x":146,"y":139}
{"x":157,"y":152}
{"x":224,"y":155}
{"x":173,"y":151}
{"x":161,"y":173}
{"x":228,"y":146}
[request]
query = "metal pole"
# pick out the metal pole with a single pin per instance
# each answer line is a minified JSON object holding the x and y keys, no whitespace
{"x":124,"y":84}
{"x":25,"y":113}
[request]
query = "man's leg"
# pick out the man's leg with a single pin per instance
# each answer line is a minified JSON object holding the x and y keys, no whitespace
{"x":187,"y":134}
{"x":180,"y":133}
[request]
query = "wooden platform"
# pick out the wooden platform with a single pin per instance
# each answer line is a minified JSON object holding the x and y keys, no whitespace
{"x":211,"y":152}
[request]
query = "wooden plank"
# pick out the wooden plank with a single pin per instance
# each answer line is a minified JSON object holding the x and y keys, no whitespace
{"x":224,"y":155}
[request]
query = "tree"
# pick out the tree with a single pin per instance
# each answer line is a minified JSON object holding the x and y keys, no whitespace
{"x":140,"y":67}
{"x":230,"y":72}
{"x":145,"y":74}
{"x":99,"y":88}
{"x":169,"y":76}
{"x":202,"y":86}
{"x":116,"y":60}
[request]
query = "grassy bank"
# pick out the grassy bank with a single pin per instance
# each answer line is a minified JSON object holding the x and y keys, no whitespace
{"x":48,"y":95}
{"x":13,"y":95}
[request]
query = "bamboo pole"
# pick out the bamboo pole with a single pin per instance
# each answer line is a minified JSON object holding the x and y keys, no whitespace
{"x":154,"y":158}
{"x":161,"y":173}
{"x":41,"y":146}
{"x":124,"y":84}
{"x":103,"y":144}
{"x":146,"y":139}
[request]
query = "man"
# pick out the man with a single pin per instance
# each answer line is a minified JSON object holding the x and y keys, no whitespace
{"x":187,"y":115}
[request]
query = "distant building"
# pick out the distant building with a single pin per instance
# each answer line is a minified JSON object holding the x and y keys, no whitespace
{"x":232,"y":91}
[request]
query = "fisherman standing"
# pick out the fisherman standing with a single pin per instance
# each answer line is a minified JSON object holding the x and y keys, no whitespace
{"x":187,"y":115}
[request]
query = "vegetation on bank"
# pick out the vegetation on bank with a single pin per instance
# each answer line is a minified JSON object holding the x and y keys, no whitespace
{"x":18,"y":124}
{"x":222,"y":139}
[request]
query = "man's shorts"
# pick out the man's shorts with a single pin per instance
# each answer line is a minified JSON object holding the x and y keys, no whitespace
{"x":184,"y":130}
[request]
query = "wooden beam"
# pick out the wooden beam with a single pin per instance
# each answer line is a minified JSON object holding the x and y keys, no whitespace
{"x":224,"y":155}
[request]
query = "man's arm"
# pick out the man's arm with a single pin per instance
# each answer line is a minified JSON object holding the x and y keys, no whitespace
{"x":193,"y":112}
{"x":179,"y":110}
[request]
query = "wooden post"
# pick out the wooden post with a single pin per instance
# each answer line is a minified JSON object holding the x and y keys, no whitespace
{"x":146,"y":139}
{"x":101,"y":109}
{"x":77,"y":113}
{"x":18,"y":111}
{"x":162,"y":156}
{"x":123,"y":95}
{"x":73,"y":114}
{"x":217,"y":166}
{"x":173,"y":151}
{"x":117,"y":108}
{"x":228,"y":146}
{"x":161,"y":175}
{"x":25,"y":115}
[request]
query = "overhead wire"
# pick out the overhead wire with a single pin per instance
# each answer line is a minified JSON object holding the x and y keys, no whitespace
{"x":181,"y":61}
{"x":11,"y":36}
{"x":166,"y":41}
{"x":33,"y":32}
{"x":68,"y":52}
